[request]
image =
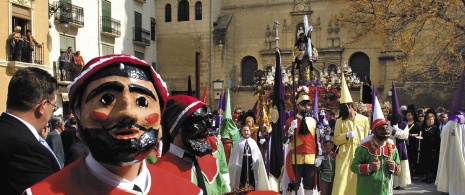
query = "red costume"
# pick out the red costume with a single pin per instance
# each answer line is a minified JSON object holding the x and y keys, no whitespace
{"x":77,"y":179}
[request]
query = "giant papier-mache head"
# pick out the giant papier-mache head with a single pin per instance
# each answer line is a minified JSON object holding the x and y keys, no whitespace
{"x":192,"y":119}
{"x":118,"y":100}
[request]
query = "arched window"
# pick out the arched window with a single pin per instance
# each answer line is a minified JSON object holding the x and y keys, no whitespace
{"x":168,"y":12}
{"x":360,"y":64}
{"x":198,"y":10}
{"x":183,"y":10}
{"x":249,"y":66}
{"x":333,"y":68}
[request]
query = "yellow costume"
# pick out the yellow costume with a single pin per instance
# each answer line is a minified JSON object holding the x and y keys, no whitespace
{"x":345,"y":181}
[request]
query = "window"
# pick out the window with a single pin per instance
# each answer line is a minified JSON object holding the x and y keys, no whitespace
{"x":332,"y":68}
{"x":249,"y":66}
{"x":152,"y":29}
{"x":139,"y":55}
{"x":198,"y":10}
{"x":183,"y":10}
{"x":106,"y":16}
{"x":66,"y":42}
{"x":168,"y":12}
{"x":107,"y":49}
{"x":137,"y":19}
{"x":360,"y":64}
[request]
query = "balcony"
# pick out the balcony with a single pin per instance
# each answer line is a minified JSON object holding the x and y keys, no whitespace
{"x":141,"y":36}
{"x":141,"y":1}
{"x":33,"y":54}
{"x":70,"y":13}
{"x":110,"y":27}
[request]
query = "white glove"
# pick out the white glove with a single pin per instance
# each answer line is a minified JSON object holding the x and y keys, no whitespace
{"x":351,"y":134}
{"x":293,"y":124}
{"x":395,"y":127}
{"x":262,"y":141}
{"x":290,"y":132}
{"x":318,"y":161}
{"x":325,"y":122}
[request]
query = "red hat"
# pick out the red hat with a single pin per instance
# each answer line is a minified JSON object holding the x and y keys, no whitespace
{"x":377,"y":123}
{"x":178,"y":108}
{"x":75,"y":89}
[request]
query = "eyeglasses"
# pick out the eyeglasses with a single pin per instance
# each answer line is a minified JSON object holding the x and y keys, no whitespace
{"x":55,"y":107}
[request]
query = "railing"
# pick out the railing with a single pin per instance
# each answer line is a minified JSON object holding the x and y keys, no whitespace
{"x":111,"y":26}
{"x":141,"y":36}
{"x":25,"y":53}
{"x":70,"y":13}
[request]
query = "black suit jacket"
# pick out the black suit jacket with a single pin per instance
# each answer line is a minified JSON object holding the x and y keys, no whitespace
{"x":55,"y":143}
{"x":23,"y":160}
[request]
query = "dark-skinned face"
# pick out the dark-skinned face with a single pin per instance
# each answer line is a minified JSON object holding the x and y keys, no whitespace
{"x":382,"y":132}
{"x":120,"y":118}
{"x":195,"y":130}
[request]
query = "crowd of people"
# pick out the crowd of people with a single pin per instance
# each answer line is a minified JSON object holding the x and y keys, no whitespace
{"x":69,"y":64}
{"x":22,"y":45}
{"x":126,"y":135}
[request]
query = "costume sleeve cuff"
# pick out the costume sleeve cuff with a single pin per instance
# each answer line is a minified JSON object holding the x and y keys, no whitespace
{"x":364,"y":169}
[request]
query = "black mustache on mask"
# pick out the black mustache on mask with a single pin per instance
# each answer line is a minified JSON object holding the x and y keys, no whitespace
{"x":125,"y":124}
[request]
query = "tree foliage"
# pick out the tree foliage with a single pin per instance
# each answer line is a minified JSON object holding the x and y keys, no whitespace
{"x":429,"y":34}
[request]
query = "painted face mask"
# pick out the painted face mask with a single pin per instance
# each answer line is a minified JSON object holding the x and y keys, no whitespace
{"x":195,"y":130}
{"x":120,"y":117}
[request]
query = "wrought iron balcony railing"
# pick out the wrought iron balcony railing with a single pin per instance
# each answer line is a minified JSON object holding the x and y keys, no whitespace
{"x":141,"y":36}
{"x":70,"y":13}
{"x":111,"y":26}
{"x":25,"y":53}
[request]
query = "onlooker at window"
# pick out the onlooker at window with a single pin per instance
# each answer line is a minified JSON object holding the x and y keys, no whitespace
{"x":28,"y":47}
{"x":71,"y":66}
{"x":63,"y":61}
{"x":79,"y":62}
{"x":16,"y":44}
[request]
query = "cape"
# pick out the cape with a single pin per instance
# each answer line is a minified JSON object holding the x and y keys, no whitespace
{"x":77,"y":179}
{"x":451,"y":169}
{"x":258,"y":166}
{"x":400,"y":140}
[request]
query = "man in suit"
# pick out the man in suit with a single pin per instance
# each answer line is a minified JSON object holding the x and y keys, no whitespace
{"x":54,"y":138}
{"x":25,"y":160}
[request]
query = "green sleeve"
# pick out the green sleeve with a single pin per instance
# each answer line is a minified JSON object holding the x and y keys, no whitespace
{"x":359,"y":158}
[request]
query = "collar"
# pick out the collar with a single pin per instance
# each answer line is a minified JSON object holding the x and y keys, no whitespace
{"x":143,"y":180}
{"x":28,"y":125}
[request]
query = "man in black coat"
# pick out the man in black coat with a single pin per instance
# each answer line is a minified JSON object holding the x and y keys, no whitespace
{"x":25,"y":156}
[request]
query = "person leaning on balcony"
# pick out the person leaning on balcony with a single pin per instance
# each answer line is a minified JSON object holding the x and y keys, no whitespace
{"x":16,"y":43}
{"x":79,"y":62}
{"x":28,"y":48}
{"x":63,"y":60}
{"x":71,"y":65}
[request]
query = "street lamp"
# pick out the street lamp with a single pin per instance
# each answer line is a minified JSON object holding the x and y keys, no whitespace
{"x":63,"y":7}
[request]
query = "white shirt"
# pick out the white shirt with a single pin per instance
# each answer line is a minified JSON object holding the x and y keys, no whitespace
{"x":143,"y":180}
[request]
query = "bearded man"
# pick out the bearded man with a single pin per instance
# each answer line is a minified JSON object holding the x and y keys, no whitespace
{"x":187,"y":150}
{"x":117,"y":101}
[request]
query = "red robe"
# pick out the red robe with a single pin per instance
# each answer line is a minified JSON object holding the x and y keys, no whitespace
{"x":77,"y":179}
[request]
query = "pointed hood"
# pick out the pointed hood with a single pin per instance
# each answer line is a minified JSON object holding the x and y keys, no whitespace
{"x":396,"y":114}
{"x":456,"y":111}
{"x":345,"y":94}
{"x":315,"y":105}
{"x":227,"y":110}
{"x":378,"y":117}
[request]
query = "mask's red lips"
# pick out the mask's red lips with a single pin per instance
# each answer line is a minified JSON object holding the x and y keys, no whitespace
{"x":125,"y":133}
